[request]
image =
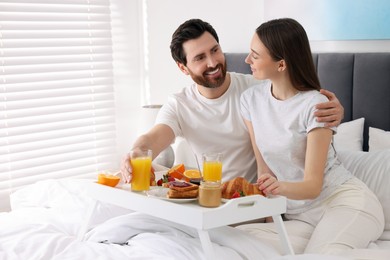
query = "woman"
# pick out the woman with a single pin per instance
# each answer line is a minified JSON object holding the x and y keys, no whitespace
{"x":330,"y":209}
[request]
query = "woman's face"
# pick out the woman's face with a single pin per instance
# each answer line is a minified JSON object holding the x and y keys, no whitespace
{"x":261,"y":62}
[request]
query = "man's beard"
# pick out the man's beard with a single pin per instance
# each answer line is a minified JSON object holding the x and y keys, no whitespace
{"x":210,"y":83}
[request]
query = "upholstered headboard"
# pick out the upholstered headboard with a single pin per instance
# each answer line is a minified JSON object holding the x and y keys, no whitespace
{"x":361,"y":81}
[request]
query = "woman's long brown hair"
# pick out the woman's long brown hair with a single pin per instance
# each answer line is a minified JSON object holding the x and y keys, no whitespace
{"x":286,"y":39}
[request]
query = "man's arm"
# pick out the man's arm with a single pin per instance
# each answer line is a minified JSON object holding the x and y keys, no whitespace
{"x":331,"y":112}
{"x":157,"y":139}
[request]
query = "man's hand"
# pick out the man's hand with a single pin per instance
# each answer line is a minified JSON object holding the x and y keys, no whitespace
{"x":331,"y":112}
{"x":126,"y":169}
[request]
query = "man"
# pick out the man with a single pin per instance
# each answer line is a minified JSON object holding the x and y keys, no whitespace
{"x":207,"y":113}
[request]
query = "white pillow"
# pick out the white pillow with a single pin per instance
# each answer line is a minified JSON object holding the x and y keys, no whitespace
{"x":349,"y":136}
{"x":378,"y":139}
{"x":373,"y":168}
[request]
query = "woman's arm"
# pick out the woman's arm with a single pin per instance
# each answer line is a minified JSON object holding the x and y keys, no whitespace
{"x":262,"y":167}
{"x":318,"y":141}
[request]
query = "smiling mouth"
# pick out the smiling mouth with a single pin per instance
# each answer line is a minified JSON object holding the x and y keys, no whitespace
{"x":213,"y":72}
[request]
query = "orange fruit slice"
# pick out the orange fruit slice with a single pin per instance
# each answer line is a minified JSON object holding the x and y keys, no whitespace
{"x":178,"y":175}
{"x":192,"y":173}
{"x":108,"y":179}
{"x":177,"y":172}
{"x":177,"y":168}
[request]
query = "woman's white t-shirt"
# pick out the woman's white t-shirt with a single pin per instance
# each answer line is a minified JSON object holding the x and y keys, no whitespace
{"x":280,"y":129}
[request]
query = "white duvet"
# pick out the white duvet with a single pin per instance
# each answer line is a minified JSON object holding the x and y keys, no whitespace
{"x":46,"y":218}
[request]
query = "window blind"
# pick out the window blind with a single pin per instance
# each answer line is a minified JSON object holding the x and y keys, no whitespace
{"x":57,"y":114}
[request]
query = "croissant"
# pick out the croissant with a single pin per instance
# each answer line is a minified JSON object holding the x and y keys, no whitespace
{"x":239,"y":184}
{"x":152,"y":178}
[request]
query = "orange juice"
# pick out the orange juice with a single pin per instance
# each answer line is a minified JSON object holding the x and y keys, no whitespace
{"x":212,"y":171}
{"x":141,"y":173}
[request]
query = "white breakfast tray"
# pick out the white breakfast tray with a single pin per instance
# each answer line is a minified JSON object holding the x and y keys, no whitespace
{"x":191,"y":214}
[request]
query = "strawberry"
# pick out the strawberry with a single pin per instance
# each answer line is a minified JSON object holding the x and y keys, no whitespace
{"x":236,"y":194}
{"x":165,"y":178}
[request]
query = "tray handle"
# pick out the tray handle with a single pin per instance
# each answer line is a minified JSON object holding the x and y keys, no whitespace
{"x":247,"y":201}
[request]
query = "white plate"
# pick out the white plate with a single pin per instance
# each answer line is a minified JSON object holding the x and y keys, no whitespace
{"x":161,"y":193}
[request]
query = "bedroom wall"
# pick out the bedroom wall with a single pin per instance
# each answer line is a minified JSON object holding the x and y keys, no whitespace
{"x":126,"y":37}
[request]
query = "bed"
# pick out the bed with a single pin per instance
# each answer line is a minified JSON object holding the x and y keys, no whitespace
{"x":46,"y":217}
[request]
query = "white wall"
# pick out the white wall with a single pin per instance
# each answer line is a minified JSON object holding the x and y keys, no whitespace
{"x":126,"y":35}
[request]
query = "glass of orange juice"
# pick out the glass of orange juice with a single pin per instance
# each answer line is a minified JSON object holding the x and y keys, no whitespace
{"x":212,"y":167}
{"x":141,"y":164}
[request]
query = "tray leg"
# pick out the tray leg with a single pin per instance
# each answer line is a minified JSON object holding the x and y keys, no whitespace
{"x":286,"y":245}
{"x":206,"y":244}
{"x":86,"y":220}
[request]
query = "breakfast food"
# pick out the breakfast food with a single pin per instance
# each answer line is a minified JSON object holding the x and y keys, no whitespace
{"x":174,"y":173}
{"x":165,"y":179}
{"x":152,"y":177}
{"x":239,"y":187}
{"x":181,"y":189}
{"x":192,"y":173}
{"x":108,"y":179}
{"x":177,"y":172}
{"x":177,"y":168}
{"x":209,"y":194}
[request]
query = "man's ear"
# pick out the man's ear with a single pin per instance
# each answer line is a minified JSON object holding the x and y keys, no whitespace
{"x":182,"y":67}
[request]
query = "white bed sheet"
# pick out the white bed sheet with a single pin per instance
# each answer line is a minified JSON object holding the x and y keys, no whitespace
{"x":46,"y":218}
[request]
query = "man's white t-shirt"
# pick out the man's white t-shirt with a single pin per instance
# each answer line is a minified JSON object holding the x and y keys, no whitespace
{"x":281,"y":129}
{"x":214,"y":125}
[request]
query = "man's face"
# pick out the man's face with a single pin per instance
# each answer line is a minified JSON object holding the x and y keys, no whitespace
{"x":205,"y":61}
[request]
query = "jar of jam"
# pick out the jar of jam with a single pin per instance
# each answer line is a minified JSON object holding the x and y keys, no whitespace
{"x":210,"y":194}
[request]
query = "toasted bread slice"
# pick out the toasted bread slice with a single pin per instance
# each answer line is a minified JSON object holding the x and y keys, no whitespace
{"x":175,"y":194}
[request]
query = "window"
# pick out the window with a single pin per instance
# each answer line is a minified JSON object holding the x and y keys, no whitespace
{"x":57,"y":112}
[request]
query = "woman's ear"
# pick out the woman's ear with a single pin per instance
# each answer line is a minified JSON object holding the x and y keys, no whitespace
{"x":282,"y":65}
{"x":183,"y":68}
